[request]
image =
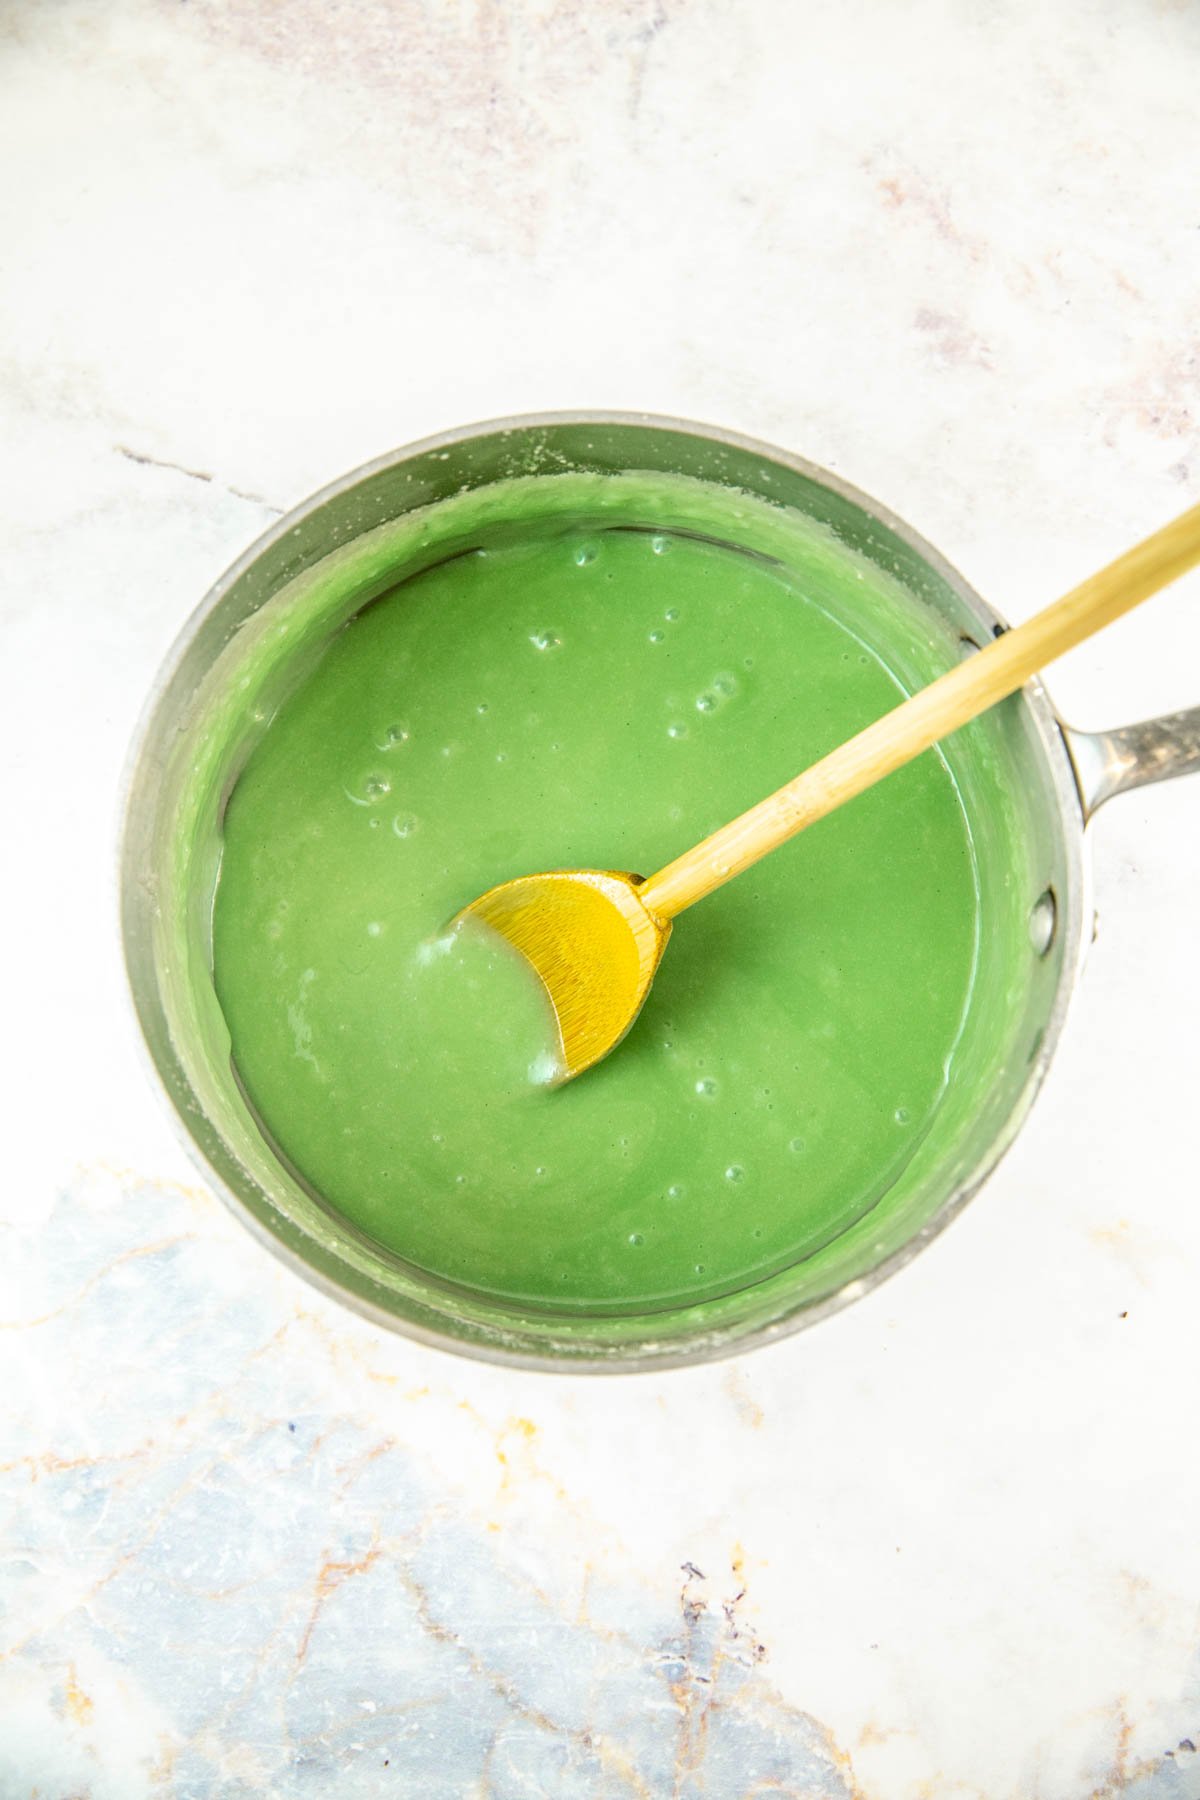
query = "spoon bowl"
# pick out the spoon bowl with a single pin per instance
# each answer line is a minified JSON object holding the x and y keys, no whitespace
{"x":593,"y":946}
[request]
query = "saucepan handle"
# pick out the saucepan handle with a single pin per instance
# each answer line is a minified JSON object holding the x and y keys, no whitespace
{"x":1109,"y":762}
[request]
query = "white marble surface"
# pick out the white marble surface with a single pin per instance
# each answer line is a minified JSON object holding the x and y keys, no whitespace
{"x":250,"y":1547}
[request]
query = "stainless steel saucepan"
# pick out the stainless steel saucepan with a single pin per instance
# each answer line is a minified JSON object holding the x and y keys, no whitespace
{"x":1056,"y":779}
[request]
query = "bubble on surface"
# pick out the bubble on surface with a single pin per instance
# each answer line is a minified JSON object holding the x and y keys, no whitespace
{"x":671,"y":615}
{"x":675,"y":1191}
{"x":374,"y":929}
{"x":725,"y":685}
{"x":901,"y":1115}
{"x":404,"y":824}
{"x":706,"y":1085}
{"x":373,"y":787}
{"x":585,"y":554}
{"x":482,"y":707}
{"x":545,"y":640}
{"x":706,"y":702}
{"x":656,"y":637}
{"x":734,"y":1172}
{"x":796,"y":1146}
{"x":392,"y":736}
{"x":678,"y":730}
{"x":635,"y":1238}
{"x":660,"y":544}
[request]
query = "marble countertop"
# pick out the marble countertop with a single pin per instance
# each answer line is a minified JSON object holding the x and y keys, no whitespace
{"x":945,"y":1544}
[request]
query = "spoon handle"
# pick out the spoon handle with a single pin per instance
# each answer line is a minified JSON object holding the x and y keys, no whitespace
{"x":932,"y":713}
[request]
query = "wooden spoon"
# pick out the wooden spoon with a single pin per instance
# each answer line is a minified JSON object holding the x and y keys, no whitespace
{"x":596,"y":936}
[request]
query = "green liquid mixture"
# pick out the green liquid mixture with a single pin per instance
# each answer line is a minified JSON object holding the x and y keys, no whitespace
{"x":576,"y":695}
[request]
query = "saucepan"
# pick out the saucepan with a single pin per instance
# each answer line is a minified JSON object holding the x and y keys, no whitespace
{"x":194,"y":739}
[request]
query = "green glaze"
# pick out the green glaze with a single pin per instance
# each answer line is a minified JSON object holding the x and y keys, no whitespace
{"x":566,"y":691}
